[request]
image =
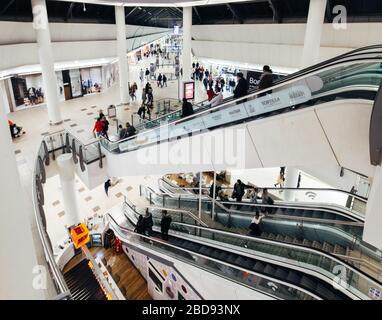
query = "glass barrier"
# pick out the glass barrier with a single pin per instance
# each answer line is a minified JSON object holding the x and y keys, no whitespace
{"x":56,"y":286}
{"x":296,"y":256}
{"x":228,"y":271}
{"x":303,"y":92}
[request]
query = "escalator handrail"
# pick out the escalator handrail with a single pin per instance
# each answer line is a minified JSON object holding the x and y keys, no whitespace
{"x":216,"y":260}
{"x":207,"y":197}
{"x":274,"y":188}
{"x":288,"y":77}
{"x":315,"y":268}
{"x":282,"y":244}
{"x":221,"y":106}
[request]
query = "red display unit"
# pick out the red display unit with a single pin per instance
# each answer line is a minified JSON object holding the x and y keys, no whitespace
{"x":189,"y":90}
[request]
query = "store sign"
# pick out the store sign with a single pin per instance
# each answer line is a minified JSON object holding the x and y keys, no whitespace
{"x":80,"y":235}
{"x":189,"y":90}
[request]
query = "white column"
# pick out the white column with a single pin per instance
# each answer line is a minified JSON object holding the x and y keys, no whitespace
{"x":373,"y":221}
{"x":41,"y":26}
{"x":122,"y":54}
{"x":68,"y":186}
{"x":17,"y":251}
{"x":186,"y":54}
{"x":313,"y":31}
{"x":291,"y":178}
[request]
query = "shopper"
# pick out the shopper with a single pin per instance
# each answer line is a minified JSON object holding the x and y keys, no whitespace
{"x":107,"y":185}
{"x":266,"y":199}
{"x":148,"y":223}
{"x":239,"y":190}
{"x":217,"y":189}
{"x":254,"y":196}
{"x":222,"y":84}
{"x":217,"y":99}
{"x":205,"y":82}
{"x":121,"y":132}
{"x":140,"y":228}
{"x":159,"y":81}
{"x":98,"y":127}
{"x":141,"y":75}
{"x":130,"y":130}
{"x":164,"y":79}
{"x":241,"y":89}
{"x":165,"y":224}
{"x":187,"y":108}
{"x":266,"y":80}
{"x":15,"y":129}
{"x":147,"y":73}
{"x":255,"y":226}
{"x":105,"y":128}
{"x":210,"y":93}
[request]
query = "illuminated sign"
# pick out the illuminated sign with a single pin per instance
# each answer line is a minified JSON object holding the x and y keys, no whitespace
{"x":189,"y":90}
{"x":80,"y":235}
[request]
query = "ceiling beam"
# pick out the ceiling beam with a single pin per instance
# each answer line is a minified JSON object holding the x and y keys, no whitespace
{"x":234,"y":13}
{"x":10,"y":2}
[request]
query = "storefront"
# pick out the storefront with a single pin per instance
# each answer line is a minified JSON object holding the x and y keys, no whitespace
{"x":24,"y":91}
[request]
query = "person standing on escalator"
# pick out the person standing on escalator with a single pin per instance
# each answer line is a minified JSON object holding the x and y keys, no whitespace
{"x":255,"y":226}
{"x":165,"y":224}
{"x":239,"y":191}
{"x":241,"y":89}
{"x":148,"y":223}
{"x":266,"y":80}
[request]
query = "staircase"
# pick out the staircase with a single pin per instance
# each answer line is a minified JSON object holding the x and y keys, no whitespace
{"x":82,"y":283}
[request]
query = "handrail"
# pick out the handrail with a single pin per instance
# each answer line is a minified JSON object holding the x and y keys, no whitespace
{"x":215,"y":260}
{"x":239,"y":100}
{"x":255,"y":205}
{"x":283,"y":244}
{"x":272,"y":188}
{"x":58,"y":277}
{"x":181,"y":211}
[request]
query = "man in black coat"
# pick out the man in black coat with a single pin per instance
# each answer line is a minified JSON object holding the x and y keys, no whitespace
{"x":165,"y":224}
{"x":241,"y":89}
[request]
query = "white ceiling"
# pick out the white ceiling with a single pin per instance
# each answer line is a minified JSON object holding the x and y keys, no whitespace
{"x":156,"y":3}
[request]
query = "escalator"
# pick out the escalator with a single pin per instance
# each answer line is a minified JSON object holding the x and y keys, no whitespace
{"x":316,"y":228}
{"x":304,"y":268}
{"x":82,"y":283}
{"x":349,"y":81}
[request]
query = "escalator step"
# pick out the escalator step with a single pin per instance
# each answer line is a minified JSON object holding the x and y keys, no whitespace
{"x":203,"y":250}
{"x":223,"y":255}
{"x":288,"y":239}
{"x":231,"y":258}
{"x":296,"y":241}
{"x":317,"y":215}
{"x":259,"y":266}
{"x":307,"y":242}
{"x":279,"y":237}
{"x":215,"y":254}
{"x":307,"y":283}
{"x":324,"y":292}
{"x":328,"y":216}
{"x":339,"y":249}
{"x":248,"y":264}
{"x":317,"y":245}
{"x":281,"y":273}
{"x":293,"y":277}
{"x":307,"y":213}
{"x":328,"y":247}
{"x":271,"y":236}
{"x":269,"y":269}
{"x":240,"y":260}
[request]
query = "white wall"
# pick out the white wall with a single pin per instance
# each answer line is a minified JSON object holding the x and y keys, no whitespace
{"x":277,"y":44}
{"x":69,"y":41}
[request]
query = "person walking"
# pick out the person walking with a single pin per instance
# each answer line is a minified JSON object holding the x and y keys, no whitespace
{"x":105,"y":127}
{"x":98,"y":127}
{"x":106,"y":186}
{"x":164,"y":79}
{"x":159,"y":81}
{"x":205,"y":83}
{"x":141,"y":75}
{"x":147,"y":73}
{"x":165,"y":224}
{"x":239,"y":190}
